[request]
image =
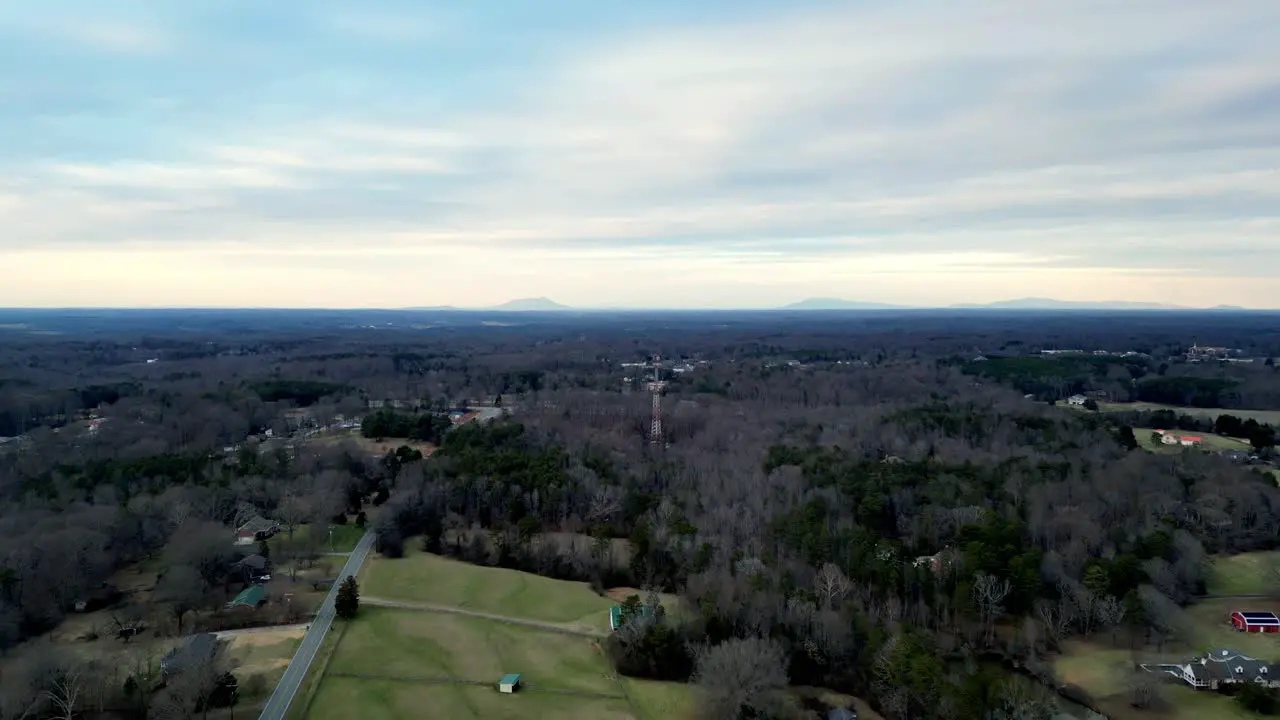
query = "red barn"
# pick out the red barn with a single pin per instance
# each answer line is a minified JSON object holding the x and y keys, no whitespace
{"x":1246,"y":621}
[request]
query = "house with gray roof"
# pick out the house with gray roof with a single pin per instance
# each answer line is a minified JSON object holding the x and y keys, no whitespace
{"x":1220,"y":667}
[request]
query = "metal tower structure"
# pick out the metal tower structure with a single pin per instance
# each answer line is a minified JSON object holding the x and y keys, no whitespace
{"x":656,"y":386}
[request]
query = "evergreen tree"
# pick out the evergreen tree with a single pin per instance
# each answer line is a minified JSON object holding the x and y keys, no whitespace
{"x":348,"y":601}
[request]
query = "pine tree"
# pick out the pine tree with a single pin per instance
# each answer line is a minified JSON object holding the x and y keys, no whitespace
{"x":348,"y":601}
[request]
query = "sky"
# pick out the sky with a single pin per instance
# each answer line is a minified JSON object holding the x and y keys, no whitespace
{"x":664,"y":153}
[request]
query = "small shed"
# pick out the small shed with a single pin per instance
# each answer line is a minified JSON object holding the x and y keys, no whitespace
{"x":509,"y":683}
{"x":1248,"y":621}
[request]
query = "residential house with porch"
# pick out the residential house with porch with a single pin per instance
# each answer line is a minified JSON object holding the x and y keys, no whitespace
{"x":1220,"y":667}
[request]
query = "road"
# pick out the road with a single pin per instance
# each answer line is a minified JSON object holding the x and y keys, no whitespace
{"x":424,"y":607}
{"x":284,"y":693}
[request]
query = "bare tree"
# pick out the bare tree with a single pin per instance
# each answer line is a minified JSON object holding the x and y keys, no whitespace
{"x":64,"y":691}
{"x":183,"y":590}
{"x":743,"y":676}
{"x":989,"y":593}
{"x":831,"y":585}
{"x":1057,"y":618}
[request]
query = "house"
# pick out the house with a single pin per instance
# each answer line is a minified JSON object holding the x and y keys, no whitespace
{"x":509,"y":683}
{"x":1248,"y":621}
{"x":842,"y":714}
{"x":256,"y":569}
{"x":254,"y":596}
{"x":194,"y":650}
{"x":1219,"y":667}
{"x":1077,"y":400}
{"x":255,"y":529}
{"x":1172,"y":438}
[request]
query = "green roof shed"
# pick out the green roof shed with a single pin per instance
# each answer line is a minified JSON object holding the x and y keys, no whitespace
{"x":509,"y":682}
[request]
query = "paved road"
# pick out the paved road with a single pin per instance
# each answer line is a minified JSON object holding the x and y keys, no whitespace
{"x":278,"y":704}
{"x":424,"y":607}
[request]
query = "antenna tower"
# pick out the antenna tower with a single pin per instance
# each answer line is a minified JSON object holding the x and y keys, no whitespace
{"x":656,"y":386}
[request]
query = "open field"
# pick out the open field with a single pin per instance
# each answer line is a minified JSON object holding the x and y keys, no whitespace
{"x":1275,"y":473}
{"x":1270,"y":417}
{"x":425,"y":578}
{"x":345,"y":537}
{"x":344,"y":698}
{"x":265,"y":654}
{"x":372,"y":445}
{"x":1210,"y":441}
{"x":397,"y":663}
{"x":1244,"y":574}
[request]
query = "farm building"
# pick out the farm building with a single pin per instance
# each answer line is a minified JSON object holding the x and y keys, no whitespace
{"x":618,"y":614}
{"x":1247,"y":621}
{"x":1219,"y":667}
{"x":254,"y":596}
{"x":1077,"y":400}
{"x":509,"y":683}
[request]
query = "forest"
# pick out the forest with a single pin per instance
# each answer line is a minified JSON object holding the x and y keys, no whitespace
{"x":896,"y":506}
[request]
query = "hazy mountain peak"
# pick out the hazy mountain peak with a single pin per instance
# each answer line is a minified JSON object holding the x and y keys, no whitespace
{"x":531,"y":304}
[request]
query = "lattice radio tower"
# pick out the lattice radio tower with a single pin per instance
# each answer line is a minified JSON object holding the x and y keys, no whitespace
{"x":656,"y":386}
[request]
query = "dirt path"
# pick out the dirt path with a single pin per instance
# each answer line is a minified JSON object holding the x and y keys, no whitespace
{"x":423,"y":607}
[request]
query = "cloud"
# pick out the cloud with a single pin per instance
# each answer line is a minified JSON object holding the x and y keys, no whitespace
{"x":940,"y":144}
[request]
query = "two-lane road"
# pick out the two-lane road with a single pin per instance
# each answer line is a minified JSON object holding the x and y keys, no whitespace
{"x":284,"y":693}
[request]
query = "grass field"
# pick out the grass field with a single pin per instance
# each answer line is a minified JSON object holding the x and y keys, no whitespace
{"x":345,"y":537}
{"x":393,"y":663}
{"x":1271,"y":417}
{"x":1210,"y":442}
{"x":1244,"y":574}
{"x":1275,"y":473}
{"x":265,"y":654}
{"x":420,"y":577}
{"x":416,"y":647}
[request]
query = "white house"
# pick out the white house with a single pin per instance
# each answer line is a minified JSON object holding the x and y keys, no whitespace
{"x":1219,"y":667}
{"x":1076,"y":400}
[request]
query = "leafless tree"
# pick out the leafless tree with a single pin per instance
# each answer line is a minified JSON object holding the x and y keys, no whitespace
{"x":831,"y":584}
{"x":1057,"y":617}
{"x":989,"y":593}
{"x":183,"y":590}
{"x":742,"y":676}
{"x":64,"y":692}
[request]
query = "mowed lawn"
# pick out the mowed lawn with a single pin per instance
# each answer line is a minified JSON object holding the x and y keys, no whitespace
{"x":421,"y":577}
{"x":1270,"y":417}
{"x":410,"y":643}
{"x":1244,"y":574}
{"x":345,"y":698}
{"x":417,"y":652}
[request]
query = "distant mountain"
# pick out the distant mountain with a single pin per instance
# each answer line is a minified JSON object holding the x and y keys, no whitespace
{"x":539,"y":304}
{"x":1051,"y":304}
{"x":838,"y":304}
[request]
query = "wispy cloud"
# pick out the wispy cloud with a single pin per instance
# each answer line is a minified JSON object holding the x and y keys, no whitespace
{"x":1090,"y":147}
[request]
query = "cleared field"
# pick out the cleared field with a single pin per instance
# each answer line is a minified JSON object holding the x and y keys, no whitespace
{"x":659,"y":700}
{"x":1100,"y":670}
{"x":266,"y":654}
{"x":345,"y":537}
{"x":1209,"y":441}
{"x":1244,"y":574}
{"x":1275,"y":473}
{"x":344,"y":698}
{"x":421,"y":577}
{"x":417,"y":652}
{"x":1271,"y":417}
{"x":406,"y":643}
{"x":1210,"y":627}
